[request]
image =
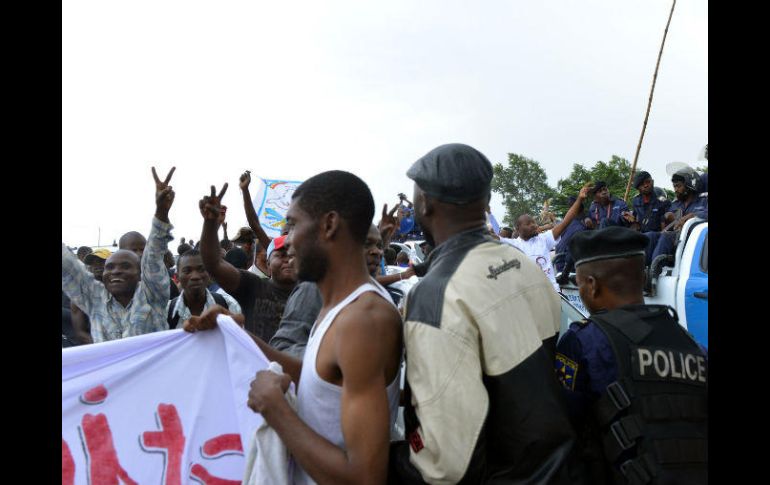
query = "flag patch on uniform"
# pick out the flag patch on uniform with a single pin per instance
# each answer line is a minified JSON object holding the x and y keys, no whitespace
{"x":566,"y":370}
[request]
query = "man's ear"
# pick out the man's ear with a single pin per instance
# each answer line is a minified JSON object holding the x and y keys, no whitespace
{"x":594,"y":286}
{"x":330,"y":225}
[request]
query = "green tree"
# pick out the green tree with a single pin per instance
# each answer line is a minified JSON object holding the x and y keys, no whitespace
{"x":614,"y":173}
{"x":523,"y":185}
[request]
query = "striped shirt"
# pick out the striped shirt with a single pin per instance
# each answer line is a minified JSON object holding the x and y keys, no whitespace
{"x":145,"y":312}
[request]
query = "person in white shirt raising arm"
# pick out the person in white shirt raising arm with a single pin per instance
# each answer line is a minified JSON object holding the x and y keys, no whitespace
{"x":537,"y":246}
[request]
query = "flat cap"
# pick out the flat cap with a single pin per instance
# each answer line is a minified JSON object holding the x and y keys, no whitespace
{"x":453,"y":173}
{"x":640,"y":177}
{"x":244,"y":235}
{"x":610,"y":243}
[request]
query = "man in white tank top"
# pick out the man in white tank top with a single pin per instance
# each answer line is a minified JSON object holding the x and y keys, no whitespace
{"x":348,"y":381}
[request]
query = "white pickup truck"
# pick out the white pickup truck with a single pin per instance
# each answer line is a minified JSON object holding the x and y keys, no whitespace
{"x":680,"y":282}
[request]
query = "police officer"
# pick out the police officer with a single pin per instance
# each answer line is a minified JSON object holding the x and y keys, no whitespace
{"x":635,"y":381}
{"x":688,"y":204}
{"x":648,"y":208}
{"x":606,"y":210}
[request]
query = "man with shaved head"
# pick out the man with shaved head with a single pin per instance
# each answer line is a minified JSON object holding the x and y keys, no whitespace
{"x":133,"y":241}
{"x":538,"y":245}
{"x":132,"y":296}
{"x":636,"y":382}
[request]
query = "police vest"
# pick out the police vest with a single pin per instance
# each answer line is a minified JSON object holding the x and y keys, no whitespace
{"x":653,"y":419}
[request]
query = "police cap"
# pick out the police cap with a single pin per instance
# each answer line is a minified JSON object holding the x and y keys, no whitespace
{"x":453,"y":173}
{"x":610,"y":243}
{"x":640,"y":178}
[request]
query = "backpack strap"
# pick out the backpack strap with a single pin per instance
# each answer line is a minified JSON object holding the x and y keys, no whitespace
{"x":219,"y":299}
{"x":172,"y":322}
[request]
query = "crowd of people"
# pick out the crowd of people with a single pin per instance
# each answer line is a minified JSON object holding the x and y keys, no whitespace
{"x":651,"y":214}
{"x":490,"y":393}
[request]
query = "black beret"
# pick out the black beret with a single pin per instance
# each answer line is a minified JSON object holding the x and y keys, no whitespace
{"x":453,"y":173}
{"x":640,"y":178}
{"x":609,"y":243}
{"x":598,"y":185}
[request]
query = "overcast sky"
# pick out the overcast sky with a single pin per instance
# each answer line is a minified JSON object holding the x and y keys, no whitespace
{"x":290,"y":89}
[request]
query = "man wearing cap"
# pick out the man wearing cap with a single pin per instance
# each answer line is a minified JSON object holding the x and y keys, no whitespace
{"x":81,"y":324}
{"x":246,"y":240}
{"x":688,"y":204}
{"x":635,"y":381}
{"x":262,"y":300}
{"x":123,"y":305}
{"x":648,"y":209}
{"x":480,"y":398}
{"x":606,"y":210}
{"x":537,"y":245}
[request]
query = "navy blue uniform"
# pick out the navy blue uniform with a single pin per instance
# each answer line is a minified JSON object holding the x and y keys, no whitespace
{"x":586,"y":364}
{"x":611,"y":215}
{"x":649,"y":214}
{"x":563,"y":257}
{"x":663,"y":242}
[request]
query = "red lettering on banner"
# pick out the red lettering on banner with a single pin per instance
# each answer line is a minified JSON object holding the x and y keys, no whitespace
{"x":104,"y":467}
{"x":97,"y":395}
{"x":221,"y":445}
{"x":224,"y":444}
{"x":202,"y":475}
{"x":171,"y":440}
{"x":67,"y":465}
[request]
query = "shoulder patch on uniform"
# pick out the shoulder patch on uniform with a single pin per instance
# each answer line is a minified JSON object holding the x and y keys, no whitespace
{"x":566,"y":370}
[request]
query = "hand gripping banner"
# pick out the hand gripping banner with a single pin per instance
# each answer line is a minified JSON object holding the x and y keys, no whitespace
{"x":162,"y":408}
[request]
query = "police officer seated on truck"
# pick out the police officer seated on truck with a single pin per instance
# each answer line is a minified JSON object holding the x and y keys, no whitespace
{"x":635,"y":381}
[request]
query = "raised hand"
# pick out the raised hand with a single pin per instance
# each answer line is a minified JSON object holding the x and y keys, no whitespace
{"x":245,"y":180}
{"x":164,"y":195}
{"x":585,"y":190}
{"x":211,"y":205}
{"x":387,"y":223}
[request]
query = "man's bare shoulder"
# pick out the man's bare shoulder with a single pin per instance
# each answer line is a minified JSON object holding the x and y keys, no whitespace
{"x":369,"y":318}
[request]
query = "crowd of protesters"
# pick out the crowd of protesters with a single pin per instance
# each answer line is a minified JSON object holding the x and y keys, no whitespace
{"x":326,"y":299}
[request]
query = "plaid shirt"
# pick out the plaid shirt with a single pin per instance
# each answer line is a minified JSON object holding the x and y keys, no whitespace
{"x":145,"y":312}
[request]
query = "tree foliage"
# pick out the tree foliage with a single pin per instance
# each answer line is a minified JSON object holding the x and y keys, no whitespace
{"x":523,"y":185}
{"x":614,"y":173}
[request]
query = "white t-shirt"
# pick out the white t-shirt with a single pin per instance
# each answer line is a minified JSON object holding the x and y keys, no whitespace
{"x":258,"y":272}
{"x":538,"y":249}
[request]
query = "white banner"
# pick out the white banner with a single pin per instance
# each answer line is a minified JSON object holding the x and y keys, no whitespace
{"x":162,"y":408}
{"x":272,"y":202}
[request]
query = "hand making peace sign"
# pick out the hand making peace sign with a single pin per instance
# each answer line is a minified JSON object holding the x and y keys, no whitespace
{"x":211,"y":205}
{"x":164,"y":195}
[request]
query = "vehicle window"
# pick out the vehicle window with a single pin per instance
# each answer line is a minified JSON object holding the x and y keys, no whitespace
{"x":569,"y":314}
{"x":704,"y":257}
